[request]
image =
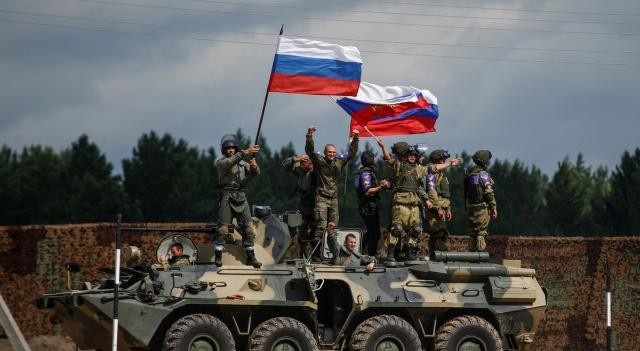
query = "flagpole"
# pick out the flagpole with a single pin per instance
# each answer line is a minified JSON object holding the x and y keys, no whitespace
{"x":364,"y":127}
{"x":266,"y":95}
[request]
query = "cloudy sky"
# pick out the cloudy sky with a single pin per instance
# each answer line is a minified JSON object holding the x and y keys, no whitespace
{"x":535,"y":81}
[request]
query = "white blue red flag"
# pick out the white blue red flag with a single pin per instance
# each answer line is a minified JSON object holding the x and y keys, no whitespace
{"x":303,"y":66}
{"x":395,"y":110}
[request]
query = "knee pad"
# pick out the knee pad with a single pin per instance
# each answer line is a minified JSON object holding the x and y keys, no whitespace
{"x":248,"y":230}
{"x":415,"y":232}
{"x":396,"y":231}
{"x":482,"y":243}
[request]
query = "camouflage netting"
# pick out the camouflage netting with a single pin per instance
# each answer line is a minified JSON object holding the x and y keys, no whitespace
{"x":32,"y":262}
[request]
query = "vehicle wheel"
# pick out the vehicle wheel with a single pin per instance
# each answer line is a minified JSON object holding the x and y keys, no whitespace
{"x":280,"y":334}
{"x":467,"y":333}
{"x":198,"y":332}
{"x":385,"y":332}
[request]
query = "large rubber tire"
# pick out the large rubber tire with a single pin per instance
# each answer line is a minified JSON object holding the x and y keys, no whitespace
{"x":282,"y":333}
{"x":198,"y":332}
{"x":467,"y":333}
{"x":385,"y":332}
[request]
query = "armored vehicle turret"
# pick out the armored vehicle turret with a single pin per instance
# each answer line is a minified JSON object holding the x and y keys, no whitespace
{"x":457,"y":301}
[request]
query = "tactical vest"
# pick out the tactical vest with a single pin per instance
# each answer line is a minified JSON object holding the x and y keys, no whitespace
{"x":407,"y":179}
{"x":235,"y":178}
{"x":360,"y":189}
{"x":473,"y":186}
{"x":442,"y":185}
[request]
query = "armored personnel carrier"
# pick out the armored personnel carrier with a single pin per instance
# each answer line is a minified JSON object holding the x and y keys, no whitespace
{"x":457,"y":301}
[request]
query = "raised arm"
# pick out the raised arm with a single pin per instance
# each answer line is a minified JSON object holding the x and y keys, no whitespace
{"x":385,"y":153}
{"x":228,"y":162}
{"x":353,"y":147}
{"x":309,"y":147}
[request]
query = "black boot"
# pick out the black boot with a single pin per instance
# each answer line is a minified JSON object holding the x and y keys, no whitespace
{"x":218,"y":258}
{"x":390,"y":260}
{"x":391,"y":253}
{"x":251,"y":259}
{"x":410,"y":253}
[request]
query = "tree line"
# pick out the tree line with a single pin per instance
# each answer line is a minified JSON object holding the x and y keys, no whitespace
{"x":167,"y":180}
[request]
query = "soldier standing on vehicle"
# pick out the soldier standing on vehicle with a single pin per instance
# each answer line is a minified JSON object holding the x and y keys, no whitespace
{"x":302,"y":167}
{"x":327,"y":169}
{"x":437,"y":185}
{"x":233,"y":173}
{"x":408,"y":195}
{"x":368,"y":190}
{"x":480,"y":200}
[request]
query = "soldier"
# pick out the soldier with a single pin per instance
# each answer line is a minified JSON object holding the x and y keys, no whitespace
{"x":437,"y":186}
{"x":480,"y":200}
{"x":177,"y":258}
{"x":302,"y":167}
{"x":345,"y":255}
{"x":408,"y":195}
{"x":368,"y":190}
{"x":233,"y":173}
{"x":327,"y":169}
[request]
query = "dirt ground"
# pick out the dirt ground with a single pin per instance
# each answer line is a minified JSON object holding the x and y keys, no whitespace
{"x":43,"y":343}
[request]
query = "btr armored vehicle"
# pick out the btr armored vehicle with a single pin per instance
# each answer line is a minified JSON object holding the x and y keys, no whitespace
{"x":457,"y":301}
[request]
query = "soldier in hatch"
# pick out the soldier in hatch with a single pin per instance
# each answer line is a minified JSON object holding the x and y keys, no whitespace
{"x":177,"y":257}
{"x":345,"y":255}
{"x":327,"y":169}
{"x":480,"y":200}
{"x":233,"y":173}
{"x":437,"y":186}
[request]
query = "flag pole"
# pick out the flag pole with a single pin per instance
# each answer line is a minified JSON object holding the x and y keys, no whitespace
{"x":363,"y":126}
{"x":368,"y":131}
{"x":266,"y":95}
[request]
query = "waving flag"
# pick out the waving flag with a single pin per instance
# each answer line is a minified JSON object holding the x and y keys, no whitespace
{"x":303,"y":66}
{"x":395,"y":110}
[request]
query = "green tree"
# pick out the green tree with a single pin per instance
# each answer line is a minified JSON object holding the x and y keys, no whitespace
{"x":569,"y":198}
{"x":624,"y":204}
{"x":520,"y":194}
{"x":169,"y":180}
{"x":8,"y":186}
{"x":600,"y":220}
{"x":92,"y":192}
{"x":39,"y":178}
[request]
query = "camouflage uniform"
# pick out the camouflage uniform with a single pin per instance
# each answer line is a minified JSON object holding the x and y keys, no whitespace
{"x":343,"y":257}
{"x":233,"y":173}
{"x":368,"y":206}
{"x":306,"y":191}
{"x":176,"y":261}
{"x":437,"y":186}
{"x":327,"y":178}
{"x":480,"y":200}
{"x":408,"y":195}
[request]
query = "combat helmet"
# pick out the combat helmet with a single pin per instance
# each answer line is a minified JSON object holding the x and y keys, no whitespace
{"x":482,"y":157}
{"x":439,"y":154}
{"x":400,"y":148}
{"x":228,"y":140}
{"x":367,"y":158}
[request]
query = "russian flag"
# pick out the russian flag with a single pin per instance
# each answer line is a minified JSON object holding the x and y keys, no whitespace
{"x":394,"y":110}
{"x":303,"y":66}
